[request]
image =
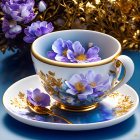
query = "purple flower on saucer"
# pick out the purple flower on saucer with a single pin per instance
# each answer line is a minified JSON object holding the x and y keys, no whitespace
{"x":37,"y":29}
{"x":78,"y":54}
{"x":60,"y":48}
{"x":38,"y":98}
{"x":78,"y":86}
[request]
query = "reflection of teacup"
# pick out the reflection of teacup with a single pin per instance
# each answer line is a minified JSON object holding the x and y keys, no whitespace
{"x":80,"y":86}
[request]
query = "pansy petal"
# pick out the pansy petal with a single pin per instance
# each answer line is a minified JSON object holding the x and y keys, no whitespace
{"x":45,"y":100}
{"x":88,"y":90}
{"x":75,"y":79}
{"x":90,"y":76}
{"x":97,"y":94}
{"x":69,"y":85}
{"x":69,"y":43}
{"x":29,"y":98}
{"x":36,"y":93}
{"x":61,"y":58}
{"x":51,"y":55}
{"x":70,"y":54}
{"x":65,"y":46}
{"x":44,"y":30}
{"x":84,"y":81}
{"x":72,"y":92}
{"x":97,"y":78}
{"x":50,"y":27}
{"x":57,"y":46}
{"x":16,"y":29}
{"x":94,"y":59}
{"x":92,"y":51}
{"x":26,"y":31}
{"x":106,"y":84}
{"x":82,"y":97}
{"x":38,"y":32}
{"x":99,"y":88}
{"x":82,"y":76}
{"x":29,"y":93}
{"x":29,"y":39}
{"x":43,"y":24}
{"x":106,"y":81}
{"x":77,"y":47}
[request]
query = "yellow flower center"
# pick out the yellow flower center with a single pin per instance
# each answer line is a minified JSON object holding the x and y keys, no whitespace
{"x":79,"y":86}
{"x":93,"y":84}
{"x":65,"y":52}
{"x":81,"y":57}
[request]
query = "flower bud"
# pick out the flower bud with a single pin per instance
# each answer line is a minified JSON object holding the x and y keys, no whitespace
{"x":42,"y":6}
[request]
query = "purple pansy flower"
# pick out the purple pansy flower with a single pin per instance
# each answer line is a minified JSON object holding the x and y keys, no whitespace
{"x":92,"y":84}
{"x":38,"y":98}
{"x":78,"y":55}
{"x":42,"y":6}
{"x":10,"y":28}
{"x":19,"y":10}
{"x":37,"y":29}
{"x":98,"y":83}
{"x":78,"y":86}
{"x":60,"y":48}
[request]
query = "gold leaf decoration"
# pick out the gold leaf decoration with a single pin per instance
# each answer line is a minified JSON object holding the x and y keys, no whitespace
{"x":21,"y":95}
{"x":50,"y":82}
{"x":124,"y":103}
{"x":20,"y":102}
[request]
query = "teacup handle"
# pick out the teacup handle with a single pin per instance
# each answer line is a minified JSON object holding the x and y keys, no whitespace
{"x":128,"y":65}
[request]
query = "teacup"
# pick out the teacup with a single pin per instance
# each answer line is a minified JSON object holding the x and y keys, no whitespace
{"x":81,"y":86}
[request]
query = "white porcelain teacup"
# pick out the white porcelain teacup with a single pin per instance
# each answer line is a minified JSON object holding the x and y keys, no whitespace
{"x":64,"y":81}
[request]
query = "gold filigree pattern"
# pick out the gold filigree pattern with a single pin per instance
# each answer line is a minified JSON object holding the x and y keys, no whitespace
{"x":20,"y":101}
{"x":135,"y":135}
{"x":124,"y":103}
{"x":50,"y":81}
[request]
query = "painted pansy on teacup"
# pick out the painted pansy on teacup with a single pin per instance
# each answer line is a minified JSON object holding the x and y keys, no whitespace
{"x":80,"y":89}
{"x":66,"y":51}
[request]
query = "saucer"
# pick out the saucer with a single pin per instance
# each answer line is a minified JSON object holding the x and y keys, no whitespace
{"x":114,"y":109}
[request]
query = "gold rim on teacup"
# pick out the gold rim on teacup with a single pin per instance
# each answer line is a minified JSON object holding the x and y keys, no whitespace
{"x":76,"y":65}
